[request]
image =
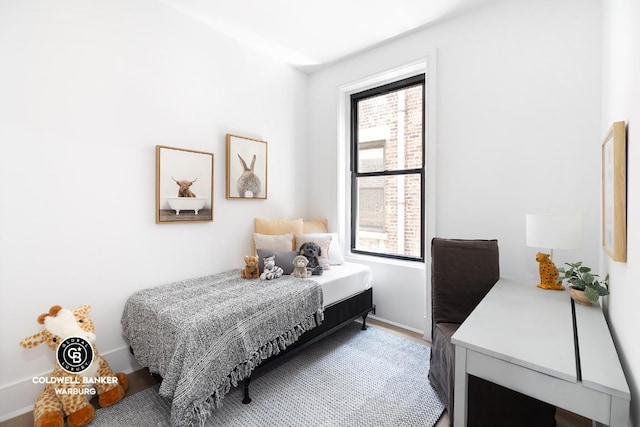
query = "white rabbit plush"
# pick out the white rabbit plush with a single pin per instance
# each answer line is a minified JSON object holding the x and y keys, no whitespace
{"x":248,"y":181}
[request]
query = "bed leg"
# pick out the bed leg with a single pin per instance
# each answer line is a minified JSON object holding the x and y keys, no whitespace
{"x":364,"y":322}
{"x":246,"y":399}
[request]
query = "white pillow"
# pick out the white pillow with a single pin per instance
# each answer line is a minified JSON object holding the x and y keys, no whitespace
{"x":273,"y":242}
{"x":324,"y":241}
{"x":335,"y":254}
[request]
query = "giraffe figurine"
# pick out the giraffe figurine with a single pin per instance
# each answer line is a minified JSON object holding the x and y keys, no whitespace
{"x":69,"y":388}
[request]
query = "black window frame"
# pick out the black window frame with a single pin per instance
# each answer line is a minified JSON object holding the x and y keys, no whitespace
{"x":416,"y":80}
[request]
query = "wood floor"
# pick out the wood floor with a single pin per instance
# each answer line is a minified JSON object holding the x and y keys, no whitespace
{"x":141,"y":380}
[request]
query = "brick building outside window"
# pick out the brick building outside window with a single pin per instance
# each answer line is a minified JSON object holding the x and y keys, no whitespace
{"x":388,"y":170}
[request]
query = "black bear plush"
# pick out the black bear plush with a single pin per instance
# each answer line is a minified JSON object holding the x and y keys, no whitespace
{"x":312,"y":251}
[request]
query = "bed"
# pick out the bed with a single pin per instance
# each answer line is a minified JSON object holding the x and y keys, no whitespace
{"x":182,"y":332}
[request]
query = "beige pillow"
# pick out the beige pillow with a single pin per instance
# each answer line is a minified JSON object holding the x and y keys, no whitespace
{"x":278,"y":226}
{"x":335,"y":253}
{"x":273,"y":242}
{"x":315,"y":226}
{"x":323,"y":241}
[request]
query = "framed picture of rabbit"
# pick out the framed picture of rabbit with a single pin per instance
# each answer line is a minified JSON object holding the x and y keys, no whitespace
{"x":246,"y":168}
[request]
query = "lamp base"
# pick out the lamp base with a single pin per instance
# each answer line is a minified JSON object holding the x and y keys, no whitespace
{"x":551,"y":287}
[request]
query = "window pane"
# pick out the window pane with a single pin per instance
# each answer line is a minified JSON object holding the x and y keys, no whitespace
{"x":389,"y":215}
{"x":390,"y":131}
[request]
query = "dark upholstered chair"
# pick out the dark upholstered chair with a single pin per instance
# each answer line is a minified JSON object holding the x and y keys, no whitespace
{"x":462,"y":273}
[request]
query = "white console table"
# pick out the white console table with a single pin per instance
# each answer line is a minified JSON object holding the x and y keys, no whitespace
{"x":523,"y":338}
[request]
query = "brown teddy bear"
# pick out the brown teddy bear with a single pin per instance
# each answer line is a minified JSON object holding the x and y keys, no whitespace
{"x":250,"y":270}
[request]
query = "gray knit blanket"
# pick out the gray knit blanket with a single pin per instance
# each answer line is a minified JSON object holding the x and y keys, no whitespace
{"x":204,"y":335}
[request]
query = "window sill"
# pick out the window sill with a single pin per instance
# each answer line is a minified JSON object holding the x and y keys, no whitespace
{"x":351,"y":257}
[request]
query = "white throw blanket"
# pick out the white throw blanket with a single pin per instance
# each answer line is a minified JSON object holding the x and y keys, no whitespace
{"x":204,"y":335}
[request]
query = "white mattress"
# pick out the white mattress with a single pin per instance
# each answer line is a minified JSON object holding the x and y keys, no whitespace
{"x":343,"y":281}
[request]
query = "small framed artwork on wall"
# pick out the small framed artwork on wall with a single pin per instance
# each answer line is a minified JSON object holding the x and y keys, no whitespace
{"x":614,"y":192}
{"x":246,"y":168}
{"x":184,"y":185}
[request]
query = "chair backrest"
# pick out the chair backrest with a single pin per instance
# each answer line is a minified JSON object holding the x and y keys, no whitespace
{"x":462,"y":273}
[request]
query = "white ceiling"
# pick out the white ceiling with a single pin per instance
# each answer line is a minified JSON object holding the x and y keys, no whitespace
{"x":312,"y":33}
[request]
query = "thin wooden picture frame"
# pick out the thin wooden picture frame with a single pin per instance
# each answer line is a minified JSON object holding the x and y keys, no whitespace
{"x":246,"y":168}
{"x":184,"y":185}
{"x":614,"y":192}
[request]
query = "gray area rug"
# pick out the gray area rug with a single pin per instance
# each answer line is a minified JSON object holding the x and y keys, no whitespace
{"x":351,"y":378}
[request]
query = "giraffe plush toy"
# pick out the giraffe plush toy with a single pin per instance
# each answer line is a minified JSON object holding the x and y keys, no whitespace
{"x":79,"y":374}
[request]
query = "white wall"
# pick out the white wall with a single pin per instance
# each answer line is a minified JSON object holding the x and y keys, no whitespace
{"x":517,"y":117}
{"x":88,"y":88}
{"x":621,"y":101}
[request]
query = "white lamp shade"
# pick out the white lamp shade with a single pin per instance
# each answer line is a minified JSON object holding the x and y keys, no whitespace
{"x":554,"y":231}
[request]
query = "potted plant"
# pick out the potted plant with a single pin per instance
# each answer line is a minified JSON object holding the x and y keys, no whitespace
{"x":585,"y":287}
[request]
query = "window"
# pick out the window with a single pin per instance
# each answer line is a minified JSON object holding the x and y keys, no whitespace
{"x":387,"y":170}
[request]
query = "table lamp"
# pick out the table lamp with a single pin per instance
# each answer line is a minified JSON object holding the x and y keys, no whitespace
{"x":553,"y":232}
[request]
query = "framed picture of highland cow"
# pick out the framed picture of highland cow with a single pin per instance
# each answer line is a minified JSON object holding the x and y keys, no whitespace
{"x":184,"y":185}
{"x":246,"y":168}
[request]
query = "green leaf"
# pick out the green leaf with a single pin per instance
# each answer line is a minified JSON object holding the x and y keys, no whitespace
{"x":591,"y":294}
{"x":577,"y":283}
{"x":602,"y":291}
{"x":587,"y":277}
{"x":584,"y":269}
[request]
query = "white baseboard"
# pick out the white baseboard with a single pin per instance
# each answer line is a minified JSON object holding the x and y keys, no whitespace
{"x":399,"y":325}
{"x":18,"y":398}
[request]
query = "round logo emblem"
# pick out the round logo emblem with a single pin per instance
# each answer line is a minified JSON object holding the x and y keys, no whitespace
{"x":74,"y":354}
